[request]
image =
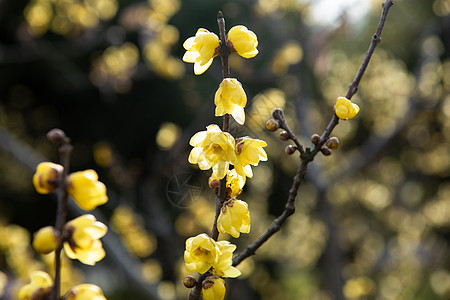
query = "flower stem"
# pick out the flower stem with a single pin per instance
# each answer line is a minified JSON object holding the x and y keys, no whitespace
{"x":64,"y":150}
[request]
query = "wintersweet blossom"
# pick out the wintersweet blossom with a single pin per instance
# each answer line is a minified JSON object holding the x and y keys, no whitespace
{"x":201,"y":253}
{"x":47,"y":176}
{"x":46,"y":240}
{"x":213,"y":149}
{"x":234,"y":218}
{"x":86,"y":190}
{"x":39,"y":288}
{"x":213,"y":288}
{"x":201,"y":50}
{"x":242,"y":41}
{"x":231,"y":99}
{"x":223,"y":267}
{"x":249,"y":152}
{"x":84,"y":292}
{"x":345,"y":109}
{"x":83,"y":239}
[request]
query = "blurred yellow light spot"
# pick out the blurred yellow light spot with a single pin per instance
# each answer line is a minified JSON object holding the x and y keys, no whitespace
{"x":38,"y":15}
{"x":357,"y":288}
{"x":167,"y":135}
{"x":290,"y":54}
{"x":103,"y":154}
{"x":105,"y":9}
{"x":376,"y":196}
{"x":440,"y":282}
{"x":151,"y":271}
{"x":166,"y":290}
{"x":441,"y":7}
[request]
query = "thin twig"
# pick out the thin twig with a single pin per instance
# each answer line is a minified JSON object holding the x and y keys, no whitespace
{"x":307,"y":157}
{"x":64,"y":150}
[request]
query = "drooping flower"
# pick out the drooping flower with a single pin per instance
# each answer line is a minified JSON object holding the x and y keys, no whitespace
{"x":213,"y":149}
{"x":85,"y":292}
{"x":46,"y":240}
{"x":249,"y":152}
{"x":231,"y":99}
{"x":223,"y":267}
{"x":234,"y":218}
{"x":86,"y":190}
{"x":39,"y":288}
{"x":213,"y":288}
{"x":242,"y":41}
{"x":47,"y":176}
{"x":235,"y":183}
{"x":201,"y":253}
{"x":345,"y":109}
{"x":82,"y":237}
{"x":201,"y":50}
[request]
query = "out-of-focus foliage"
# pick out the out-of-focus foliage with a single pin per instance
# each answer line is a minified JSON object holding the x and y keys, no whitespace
{"x":372,"y":220}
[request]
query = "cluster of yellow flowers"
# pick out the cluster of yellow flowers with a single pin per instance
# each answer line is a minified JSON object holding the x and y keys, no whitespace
{"x":217,"y":150}
{"x":80,"y":237}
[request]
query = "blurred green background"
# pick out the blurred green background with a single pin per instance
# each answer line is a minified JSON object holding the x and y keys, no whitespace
{"x":372,"y":220}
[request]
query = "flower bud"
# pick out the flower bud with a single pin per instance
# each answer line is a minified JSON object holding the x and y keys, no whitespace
{"x":46,"y":240}
{"x":57,"y":136}
{"x":277,"y":113}
{"x":284,"y":136}
{"x":272,"y":125}
{"x":333,"y":143}
{"x":325,"y":151}
{"x":189,"y":282}
{"x":290,"y":149}
{"x":46,"y":178}
{"x":213,"y":183}
{"x":315,"y":138}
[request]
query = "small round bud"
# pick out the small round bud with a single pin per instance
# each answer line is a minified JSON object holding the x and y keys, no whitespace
{"x":57,"y":136}
{"x":325,"y":151}
{"x":315,"y":138}
{"x":333,"y":143}
{"x":272,"y":125}
{"x":213,"y":183}
{"x":290,"y":149}
{"x":277,"y":113}
{"x":46,"y":240}
{"x":284,"y":136}
{"x":189,"y":282}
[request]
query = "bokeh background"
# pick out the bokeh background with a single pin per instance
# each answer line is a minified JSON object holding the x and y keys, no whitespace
{"x":372,"y":219}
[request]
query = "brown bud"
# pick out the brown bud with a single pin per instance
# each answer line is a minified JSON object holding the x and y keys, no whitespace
{"x":290,"y":149}
{"x":284,"y":136}
{"x":277,"y":113}
{"x":325,"y":151}
{"x":333,"y":143}
{"x":189,"y":282}
{"x":272,"y":125}
{"x":315,"y":138}
{"x":213,"y":183}
{"x":57,"y":136}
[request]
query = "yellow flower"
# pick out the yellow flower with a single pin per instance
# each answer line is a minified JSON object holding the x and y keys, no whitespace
{"x":224,"y":267}
{"x":84,"y":292}
{"x":213,"y":149}
{"x":234,"y":218}
{"x":201,"y":50}
{"x":83,"y":241}
{"x":39,"y":288}
{"x":345,"y":109}
{"x":201,"y":253}
{"x":231,"y":99}
{"x":47,"y":177}
{"x":46,"y":240}
{"x":86,"y":190}
{"x":213,"y":288}
{"x":242,"y":41}
{"x":249,"y":152}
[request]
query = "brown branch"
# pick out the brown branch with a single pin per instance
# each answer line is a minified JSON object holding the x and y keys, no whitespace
{"x":308,"y":155}
{"x":57,"y":136}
